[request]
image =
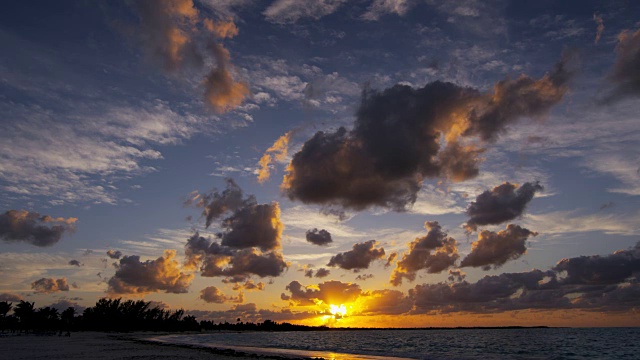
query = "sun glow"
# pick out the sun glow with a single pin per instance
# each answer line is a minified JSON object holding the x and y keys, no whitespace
{"x":338,"y":310}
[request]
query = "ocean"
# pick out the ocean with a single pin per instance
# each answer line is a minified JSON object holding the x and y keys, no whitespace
{"x":486,"y":344}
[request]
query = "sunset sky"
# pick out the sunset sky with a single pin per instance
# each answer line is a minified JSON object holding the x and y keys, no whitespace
{"x":391,"y":163}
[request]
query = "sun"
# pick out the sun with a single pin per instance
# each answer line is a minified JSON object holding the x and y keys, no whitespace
{"x":338,"y":311}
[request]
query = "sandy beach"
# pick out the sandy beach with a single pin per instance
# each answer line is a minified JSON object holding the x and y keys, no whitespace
{"x":98,"y":346}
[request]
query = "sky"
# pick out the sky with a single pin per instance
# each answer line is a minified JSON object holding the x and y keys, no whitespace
{"x":374,"y":163}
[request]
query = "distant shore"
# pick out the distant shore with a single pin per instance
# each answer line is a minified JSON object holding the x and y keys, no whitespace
{"x":103,"y":346}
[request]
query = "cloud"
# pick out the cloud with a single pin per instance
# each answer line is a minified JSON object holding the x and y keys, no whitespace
{"x":216,"y":204}
{"x":222,"y":92}
{"x":137,"y":277}
{"x":75,"y":263}
{"x":611,"y":269}
{"x":501,"y":204}
{"x":318,"y":237}
{"x":497,"y":248}
{"x":322,"y":272}
{"x":626,"y":70}
{"x":364,"y":277}
{"x":49,"y":285}
{"x":277,"y":152}
{"x":379,"y":8}
{"x":290,"y":11}
{"x":359,"y":257}
{"x":434,"y":252}
{"x":404,"y":135}
{"x":598,"y":19}
{"x":212,"y":294}
{"x":456,"y":275}
{"x":213,"y":259}
{"x":595,"y":283}
{"x":114,"y":254}
{"x":329,"y":292}
{"x":254,"y":226}
{"x":249,"y":285}
{"x":33,"y":228}
{"x":385,"y":302}
{"x":523,"y":97}
{"x":170,"y":32}
{"x":250,"y":241}
{"x":10,"y":297}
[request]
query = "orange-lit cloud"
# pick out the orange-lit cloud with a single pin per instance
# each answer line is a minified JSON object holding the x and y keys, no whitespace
{"x":434,"y":252}
{"x":169,"y":32}
{"x":212,"y":294}
{"x":142,"y":277}
{"x":598,"y":19}
{"x":33,"y":228}
{"x":49,"y":285}
{"x":277,"y":152}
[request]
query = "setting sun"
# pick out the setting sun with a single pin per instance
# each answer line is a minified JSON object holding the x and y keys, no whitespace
{"x":338,"y":310}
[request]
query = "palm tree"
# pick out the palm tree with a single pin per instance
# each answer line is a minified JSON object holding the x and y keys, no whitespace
{"x":5,"y":307}
{"x":24,"y":312}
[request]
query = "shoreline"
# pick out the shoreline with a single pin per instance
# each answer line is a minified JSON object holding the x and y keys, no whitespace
{"x":103,"y":346}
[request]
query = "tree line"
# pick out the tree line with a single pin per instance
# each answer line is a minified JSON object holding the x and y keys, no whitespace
{"x":120,"y":316}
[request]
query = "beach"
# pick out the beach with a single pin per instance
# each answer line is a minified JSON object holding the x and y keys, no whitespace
{"x":98,"y":346}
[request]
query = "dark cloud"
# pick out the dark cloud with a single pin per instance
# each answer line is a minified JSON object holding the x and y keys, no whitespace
{"x":601,"y":270}
{"x":212,"y":294}
{"x":364,"y":277}
{"x":359,"y":257}
{"x":456,"y":275}
{"x":319,"y":237}
{"x":49,"y":285}
{"x":329,"y":292}
{"x":250,"y":241}
{"x":404,"y":135}
{"x":495,"y":249}
{"x":213,"y":259}
{"x":256,"y":225}
{"x":434,"y":252}
{"x":114,"y":254}
{"x":626,"y":70}
{"x":10,"y":297}
{"x":502,"y":203}
{"x":33,"y":228}
{"x":142,"y":277}
{"x":216,"y":204}
{"x":322,"y":272}
{"x":594,"y":283}
{"x":74,"y":263}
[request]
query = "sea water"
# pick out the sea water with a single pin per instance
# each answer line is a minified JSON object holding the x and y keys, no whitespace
{"x":538,"y":343}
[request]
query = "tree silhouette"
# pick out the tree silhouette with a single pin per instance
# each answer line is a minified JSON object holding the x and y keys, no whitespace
{"x":25,"y":313}
{"x":5,"y":307}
